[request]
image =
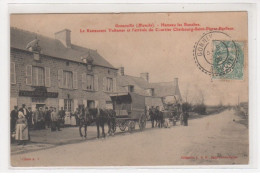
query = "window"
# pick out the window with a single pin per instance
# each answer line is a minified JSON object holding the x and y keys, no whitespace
{"x":13,"y":74}
{"x":109,"y":86}
{"x":90,"y":82}
{"x":38,"y":76}
{"x":131,"y":88}
{"x":150,"y":91}
{"x":91,"y":104}
{"x":68,"y":104}
{"x":67,"y":79}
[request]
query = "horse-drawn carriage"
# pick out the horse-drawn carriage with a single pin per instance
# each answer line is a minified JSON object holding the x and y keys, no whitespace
{"x":172,"y":109}
{"x":130,"y":109}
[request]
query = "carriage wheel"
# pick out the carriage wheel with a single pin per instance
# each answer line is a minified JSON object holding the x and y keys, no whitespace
{"x":142,"y":122}
{"x":122,"y":125}
{"x":131,"y":126}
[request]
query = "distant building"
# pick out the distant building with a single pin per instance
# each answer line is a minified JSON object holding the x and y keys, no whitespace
{"x":55,"y":72}
{"x":156,"y":93}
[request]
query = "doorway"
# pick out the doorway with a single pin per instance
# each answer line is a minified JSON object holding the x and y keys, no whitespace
{"x":40,"y":105}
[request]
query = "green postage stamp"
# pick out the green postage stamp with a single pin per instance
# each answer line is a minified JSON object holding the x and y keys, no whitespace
{"x":228,"y":60}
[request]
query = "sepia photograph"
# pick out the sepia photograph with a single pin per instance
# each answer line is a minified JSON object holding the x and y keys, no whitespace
{"x":129,"y":89}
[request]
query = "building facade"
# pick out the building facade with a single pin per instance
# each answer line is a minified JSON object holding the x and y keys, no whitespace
{"x":54,"y":72}
{"x":156,"y":94}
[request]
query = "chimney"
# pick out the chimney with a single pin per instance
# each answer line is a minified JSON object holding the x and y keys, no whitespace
{"x":121,"y":71}
{"x":145,"y":76}
{"x":64,"y":37}
{"x":175,"y":82}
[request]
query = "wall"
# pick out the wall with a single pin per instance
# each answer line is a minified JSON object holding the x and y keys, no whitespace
{"x":22,"y":58}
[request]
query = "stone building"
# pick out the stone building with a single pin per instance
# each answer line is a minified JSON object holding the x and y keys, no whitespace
{"x":55,"y":72}
{"x":156,"y":94}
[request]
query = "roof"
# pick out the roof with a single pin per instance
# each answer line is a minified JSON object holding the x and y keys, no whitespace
{"x":153,"y":101}
{"x":53,"y":47}
{"x":166,"y":89}
{"x":127,"y":80}
{"x":160,"y":89}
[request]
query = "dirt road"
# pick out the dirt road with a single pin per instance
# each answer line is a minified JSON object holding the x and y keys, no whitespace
{"x":214,"y":139}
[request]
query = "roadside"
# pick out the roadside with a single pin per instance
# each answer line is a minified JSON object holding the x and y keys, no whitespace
{"x":212,"y":140}
{"x":45,"y":139}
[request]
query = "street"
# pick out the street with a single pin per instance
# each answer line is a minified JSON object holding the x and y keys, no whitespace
{"x":210,"y":140}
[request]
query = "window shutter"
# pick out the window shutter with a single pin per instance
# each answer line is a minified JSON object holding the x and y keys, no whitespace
{"x":97,"y":104}
{"x":96,"y":82}
{"x":105,"y":84}
{"x":75,"y":80}
{"x":84,"y":81}
{"x":60,"y":78}
{"x":61,"y":103}
{"x":29,"y":75}
{"x":13,"y":74}
{"x":85,"y":102}
{"x":47,"y":77}
{"x":114,"y":84}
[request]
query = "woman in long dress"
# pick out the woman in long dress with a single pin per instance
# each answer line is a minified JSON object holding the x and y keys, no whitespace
{"x":22,"y":133}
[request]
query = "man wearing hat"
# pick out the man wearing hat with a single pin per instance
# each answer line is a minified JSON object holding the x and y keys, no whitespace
{"x":14,"y":117}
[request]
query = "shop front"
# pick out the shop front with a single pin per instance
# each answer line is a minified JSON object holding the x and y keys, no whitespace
{"x":39,"y":97}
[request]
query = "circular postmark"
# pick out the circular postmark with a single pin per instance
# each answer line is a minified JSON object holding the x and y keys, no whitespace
{"x":215,"y":53}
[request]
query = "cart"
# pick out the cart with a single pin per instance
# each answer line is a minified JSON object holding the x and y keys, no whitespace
{"x":130,"y":110}
{"x":172,"y":109}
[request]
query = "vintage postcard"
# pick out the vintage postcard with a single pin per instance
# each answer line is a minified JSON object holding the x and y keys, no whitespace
{"x":129,"y":89}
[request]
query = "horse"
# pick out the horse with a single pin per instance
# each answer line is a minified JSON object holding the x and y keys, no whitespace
{"x":100,"y":117}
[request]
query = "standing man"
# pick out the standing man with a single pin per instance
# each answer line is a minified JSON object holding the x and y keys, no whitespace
{"x":29,"y":117}
{"x":151,"y":114}
{"x":47,"y":117}
{"x":54,"y":120}
{"x":41,"y":119}
{"x":14,"y":117}
{"x":62,"y":114}
{"x":76,"y":114}
{"x":157,"y":116}
{"x":35,"y":118}
{"x":160,"y":118}
{"x":185,"y":117}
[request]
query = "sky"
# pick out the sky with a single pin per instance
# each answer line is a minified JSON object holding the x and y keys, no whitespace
{"x":164,"y":55}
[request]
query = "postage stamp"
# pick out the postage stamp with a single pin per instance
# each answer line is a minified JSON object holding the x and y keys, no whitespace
{"x":217,"y":55}
{"x":224,"y":54}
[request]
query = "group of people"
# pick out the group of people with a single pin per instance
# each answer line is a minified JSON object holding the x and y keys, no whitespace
{"x":20,"y":124}
{"x":162,"y":119}
{"x":156,"y":116}
{"x":47,"y":118}
{"x":24,"y":119}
